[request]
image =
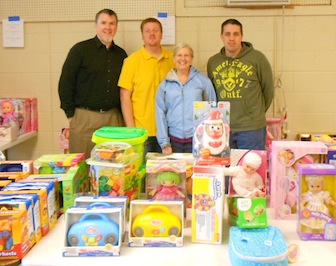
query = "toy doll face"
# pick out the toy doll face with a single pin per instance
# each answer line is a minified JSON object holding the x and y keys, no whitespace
{"x":6,"y":108}
{"x":315,"y":186}
{"x":168,"y":183}
{"x":249,"y":170}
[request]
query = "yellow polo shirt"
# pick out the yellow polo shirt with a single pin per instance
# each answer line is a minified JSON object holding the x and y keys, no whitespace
{"x":141,"y":74}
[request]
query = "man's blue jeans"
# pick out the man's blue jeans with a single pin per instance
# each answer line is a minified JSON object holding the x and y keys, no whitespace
{"x":250,"y":140}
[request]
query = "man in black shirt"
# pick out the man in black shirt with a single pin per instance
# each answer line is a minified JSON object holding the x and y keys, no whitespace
{"x":88,"y":88}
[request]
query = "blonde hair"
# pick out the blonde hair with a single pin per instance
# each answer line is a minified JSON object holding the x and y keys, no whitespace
{"x":315,"y":178}
{"x":181,"y":46}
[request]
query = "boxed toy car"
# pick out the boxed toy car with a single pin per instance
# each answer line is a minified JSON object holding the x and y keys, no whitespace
{"x":156,"y":223}
{"x":106,"y":201}
{"x":207,"y":204}
{"x":317,"y":202}
{"x":15,"y":241}
{"x":92,"y":232}
{"x":212,"y":131}
{"x":247,"y":188}
{"x":285,"y":158}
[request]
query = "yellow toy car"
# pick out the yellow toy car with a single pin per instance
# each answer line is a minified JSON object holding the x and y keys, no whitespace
{"x":156,"y":221}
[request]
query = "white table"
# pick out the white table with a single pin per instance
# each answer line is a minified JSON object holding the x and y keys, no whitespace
{"x":49,"y":251}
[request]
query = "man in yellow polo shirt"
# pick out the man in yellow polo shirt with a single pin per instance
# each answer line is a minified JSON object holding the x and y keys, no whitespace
{"x":140,"y":76}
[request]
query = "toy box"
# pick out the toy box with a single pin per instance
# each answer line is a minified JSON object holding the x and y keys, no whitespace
{"x":33,"y":114}
{"x":166,"y":179}
{"x":17,"y":166}
{"x":12,"y":203}
{"x":317,"y":202}
{"x":247,"y":210}
{"x":207,"y":204}
{"x":92,"y":232}
{"x":15,"y":242}
{"x":134,"y":136}
{"x":13,"y":176}
{"x":9,"y":133}
{"x":212,"y":131}
{"x":156,"y":223}
{"x":42,"y":193}
{"x":35,"y":206}
{"x":111,"y":179}
{"x":57,"y":163}
{"x":106,"y":201}
{"x":285,"y":158}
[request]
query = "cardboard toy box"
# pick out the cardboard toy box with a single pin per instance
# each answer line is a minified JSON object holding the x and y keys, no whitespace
{"x":247,"y":212}
{"x":42,"y":193}
{"x":92,"y":232}
{"x":156,"y":223}
{"x":285,"y":158}
{"x":106,"y":201}
{"x":207,"y":204}
{"x":317,"y":202}
{"x":14,"y":228}
{"x":35,"y":210}
{"x":9,"y":133}
{"x":17,"y":166}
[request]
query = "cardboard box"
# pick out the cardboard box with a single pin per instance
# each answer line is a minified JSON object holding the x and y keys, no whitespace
{"x":17,"y":166}
{"x":156,"y":223}
{"x":9,"y":133}
{"x":207,"y":204}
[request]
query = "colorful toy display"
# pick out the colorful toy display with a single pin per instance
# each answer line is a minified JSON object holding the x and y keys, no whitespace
{"x":156,"y":221}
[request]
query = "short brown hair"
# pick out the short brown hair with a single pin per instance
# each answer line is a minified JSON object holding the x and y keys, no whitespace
{"x":148,"y":20}
{"x":106,"y":11}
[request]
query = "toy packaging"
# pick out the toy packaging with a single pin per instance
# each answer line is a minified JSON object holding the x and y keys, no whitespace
{"x":106,"y":201}
{"x":156,"y":223}
{"x":317,"y":202}
{"x":285,"y":158}
{"x":166,"y":179}
{"x":207,"y":204}
{"x":17,"y":166}
{"x":9,"y":133}
{"x":14,"y":231}
{"x":261,"y":246}
{"x":212,"y":131}
{"x":92,"y":232}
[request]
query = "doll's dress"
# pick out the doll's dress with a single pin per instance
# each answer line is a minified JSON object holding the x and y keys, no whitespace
{"x":315,"y":203}
{"x":292,"y":177}
{"x":167,"y":193}
{"x":9,"y":119}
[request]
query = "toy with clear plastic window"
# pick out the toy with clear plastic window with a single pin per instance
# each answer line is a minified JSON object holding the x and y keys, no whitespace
{"x":8,"y":114}
{"x":168,"y":186}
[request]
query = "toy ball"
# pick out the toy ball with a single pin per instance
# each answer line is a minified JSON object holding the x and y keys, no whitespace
{"x":93,"y":230}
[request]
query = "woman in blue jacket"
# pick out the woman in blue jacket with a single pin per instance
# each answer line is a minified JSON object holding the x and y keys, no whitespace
{"x":175,"y":99}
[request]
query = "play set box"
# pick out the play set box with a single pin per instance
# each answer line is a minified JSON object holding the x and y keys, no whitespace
{"x":106,"y":201}
{"x":285,"y":158}
{"x":156,"y":223}
{"x":207,"y":204}
{"x":91,"y":231}
{"x":14,"y":229}
{"x":33,"y":209}
{"x":17,"y":166}
{"x":212,"y":131}
{"x":317,"y":202}
{"x":246,"y":211}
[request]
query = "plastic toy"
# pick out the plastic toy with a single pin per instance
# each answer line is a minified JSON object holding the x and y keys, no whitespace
{"x":156,"y":221}
{"x":93,"y":230}
{"x":6,"y":240}
{"x":168,"y":188}
{"x":9,"y":116}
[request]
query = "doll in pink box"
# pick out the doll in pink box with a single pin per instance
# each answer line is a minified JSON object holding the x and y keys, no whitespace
{"x":245,"y":180}
{"x":315,"y":200}
{"x":8,"y":114}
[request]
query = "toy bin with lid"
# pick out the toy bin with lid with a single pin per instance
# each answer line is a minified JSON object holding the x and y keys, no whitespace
{"x":134,"y":136}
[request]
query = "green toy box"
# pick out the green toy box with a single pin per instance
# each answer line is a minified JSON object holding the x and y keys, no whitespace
{"x":247,"y":212}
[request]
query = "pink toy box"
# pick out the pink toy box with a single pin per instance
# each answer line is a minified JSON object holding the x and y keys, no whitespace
{"x":33,"y":114}
{"x":212,"y":131}
{"x":317,"y":208}
{"x":285,"y":158}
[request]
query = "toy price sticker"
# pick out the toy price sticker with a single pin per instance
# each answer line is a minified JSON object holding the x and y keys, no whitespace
{"x":244,"y":204}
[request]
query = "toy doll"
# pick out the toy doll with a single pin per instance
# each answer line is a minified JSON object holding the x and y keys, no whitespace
{"x":168,"y":188}
{"x":9,"y":116}
{"x":64,"y":140}
{"x":315,"y":199}
{"x":246,"y":182}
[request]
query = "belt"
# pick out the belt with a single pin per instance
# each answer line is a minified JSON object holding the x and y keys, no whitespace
{"x":94,"y":110}
{"x":188,"y":140}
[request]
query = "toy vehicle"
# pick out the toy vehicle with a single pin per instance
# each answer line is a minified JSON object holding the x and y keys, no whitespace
{"x":93,"y":230}
{"x":156,"y":221}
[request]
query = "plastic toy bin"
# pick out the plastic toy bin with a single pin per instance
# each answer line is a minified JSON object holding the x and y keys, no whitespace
{"x":134,"y":136}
